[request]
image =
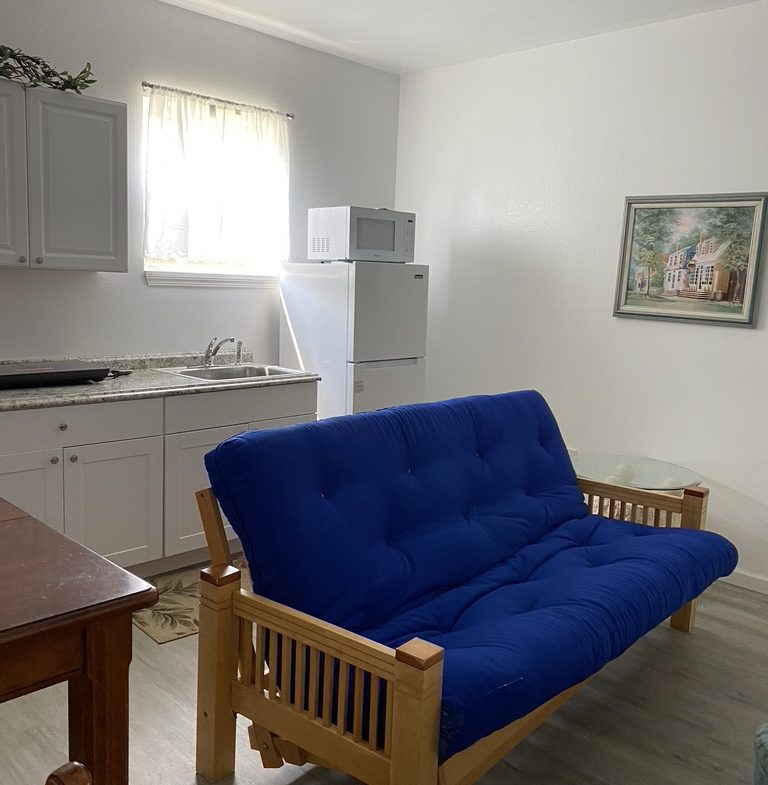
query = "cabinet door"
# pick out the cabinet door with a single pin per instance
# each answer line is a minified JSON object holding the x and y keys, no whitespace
{"x":184,"y":475}
{"x":33,"y":481}
{"x":77,"y":152}
{"x":113,"y":498}
{"x":14,"y":250}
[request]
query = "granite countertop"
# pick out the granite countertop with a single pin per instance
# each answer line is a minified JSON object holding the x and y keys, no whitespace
{"x":145,"y":381}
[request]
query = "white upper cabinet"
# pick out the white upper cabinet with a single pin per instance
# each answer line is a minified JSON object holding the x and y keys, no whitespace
{"x":76,"y":151}
{"x":63,"y":181}
{"x":14,"y":246}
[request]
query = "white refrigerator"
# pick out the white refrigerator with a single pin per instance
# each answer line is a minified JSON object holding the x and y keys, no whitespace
{"x":362,"y":326}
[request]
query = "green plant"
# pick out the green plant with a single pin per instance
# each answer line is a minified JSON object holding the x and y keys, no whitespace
{"x":34,"y":71}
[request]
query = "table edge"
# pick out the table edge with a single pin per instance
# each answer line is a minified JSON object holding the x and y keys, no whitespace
{"x":126,"y":604}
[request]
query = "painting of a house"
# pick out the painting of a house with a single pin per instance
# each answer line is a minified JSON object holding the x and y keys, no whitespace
{"x":701,"y":271}
{"x":691,"y":258}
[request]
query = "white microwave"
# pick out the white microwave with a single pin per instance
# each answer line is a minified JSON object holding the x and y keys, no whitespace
{"x":360,"y":234}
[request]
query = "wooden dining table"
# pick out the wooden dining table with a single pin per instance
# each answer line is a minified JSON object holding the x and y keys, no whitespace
{"x":65,"y":615}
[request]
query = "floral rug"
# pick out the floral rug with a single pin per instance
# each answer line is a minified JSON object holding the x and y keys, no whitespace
{"x":174,"y":615}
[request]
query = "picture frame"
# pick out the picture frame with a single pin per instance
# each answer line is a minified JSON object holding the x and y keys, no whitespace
{"x":692,"y":258}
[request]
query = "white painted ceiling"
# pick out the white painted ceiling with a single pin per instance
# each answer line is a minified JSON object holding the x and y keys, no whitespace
{"x":411,"y":35}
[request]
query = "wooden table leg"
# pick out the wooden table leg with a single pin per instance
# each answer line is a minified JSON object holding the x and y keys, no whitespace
{"x":98,"y":702}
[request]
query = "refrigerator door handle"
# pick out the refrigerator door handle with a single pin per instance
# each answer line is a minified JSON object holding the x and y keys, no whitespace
{"x":388,"y":363}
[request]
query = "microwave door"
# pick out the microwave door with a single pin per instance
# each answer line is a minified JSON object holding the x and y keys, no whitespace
{"x":387,"y":311}
{"x":379,"y":385}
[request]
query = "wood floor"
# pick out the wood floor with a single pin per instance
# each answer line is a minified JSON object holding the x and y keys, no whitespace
{"x":676,"y":709}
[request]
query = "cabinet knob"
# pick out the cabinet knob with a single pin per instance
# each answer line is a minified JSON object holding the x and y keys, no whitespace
{"x":73,"y":458}
{"x":63,"y":427}
{"x":39,"y":260}
{"x":22,"y":260}
{"x":54,"y":459}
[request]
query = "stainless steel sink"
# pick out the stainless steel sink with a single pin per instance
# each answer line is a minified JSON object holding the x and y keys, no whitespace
{"x":219,"y":373}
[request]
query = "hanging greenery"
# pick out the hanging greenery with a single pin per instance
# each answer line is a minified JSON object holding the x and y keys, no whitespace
{"x":33,"y":71}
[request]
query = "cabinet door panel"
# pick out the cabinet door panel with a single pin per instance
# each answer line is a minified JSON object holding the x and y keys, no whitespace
{"x":14,"y":249}
{"x":184,"y":475}
{"x":77,"y":182}
{"x":113,"y":498}
{"x":33,"y":481}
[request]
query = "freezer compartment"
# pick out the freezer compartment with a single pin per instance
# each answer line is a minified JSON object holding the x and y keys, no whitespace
{"x":378,"y":385}
{"x":387,"y":311}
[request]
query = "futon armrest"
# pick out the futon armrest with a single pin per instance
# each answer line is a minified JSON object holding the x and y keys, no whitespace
{"x":654,"y":508}
{"x":314,"y":632}
{"x":308,"y":628}
{"x":294,"y":671}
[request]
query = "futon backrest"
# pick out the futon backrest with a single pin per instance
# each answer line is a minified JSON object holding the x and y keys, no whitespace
{"x":353,"y":518}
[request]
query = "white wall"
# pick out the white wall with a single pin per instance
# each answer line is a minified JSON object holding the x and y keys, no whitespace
{"x":343,"y":111}
{"x":518,"y":167}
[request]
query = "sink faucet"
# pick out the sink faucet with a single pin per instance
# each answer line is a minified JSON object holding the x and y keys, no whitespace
{"x":213,"y":349}
{"x":239,"y":353}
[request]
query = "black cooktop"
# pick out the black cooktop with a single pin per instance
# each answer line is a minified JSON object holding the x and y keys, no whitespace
{"x":54,"y":372}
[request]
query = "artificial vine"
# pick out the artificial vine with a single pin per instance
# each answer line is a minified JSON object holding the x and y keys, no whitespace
{"x":33,"y":71}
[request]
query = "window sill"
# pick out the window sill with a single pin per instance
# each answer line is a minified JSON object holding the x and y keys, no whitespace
{"x":210,"y":280}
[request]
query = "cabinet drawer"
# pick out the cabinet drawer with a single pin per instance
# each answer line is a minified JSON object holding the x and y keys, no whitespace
{"x":66,"y":426}
{"x":263,"y":425}
{"x":216,"y":409}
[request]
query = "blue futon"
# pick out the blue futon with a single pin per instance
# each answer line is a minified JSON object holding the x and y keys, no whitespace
{"x":460,"y":523}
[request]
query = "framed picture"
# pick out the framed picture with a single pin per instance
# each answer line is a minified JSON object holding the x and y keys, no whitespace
{"x":692,"y":258}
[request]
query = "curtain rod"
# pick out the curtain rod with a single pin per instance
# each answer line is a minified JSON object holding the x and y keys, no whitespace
{"x":150,"y":85}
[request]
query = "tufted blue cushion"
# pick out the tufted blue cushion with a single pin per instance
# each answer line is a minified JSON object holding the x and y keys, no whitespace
{"x":459,"y":522}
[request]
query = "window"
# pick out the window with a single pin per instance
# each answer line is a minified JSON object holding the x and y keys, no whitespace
{"x":216,"y":186}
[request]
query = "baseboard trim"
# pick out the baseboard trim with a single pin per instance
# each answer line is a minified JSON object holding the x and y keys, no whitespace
{"x":748,"y":580}
{"x":179,"y":561}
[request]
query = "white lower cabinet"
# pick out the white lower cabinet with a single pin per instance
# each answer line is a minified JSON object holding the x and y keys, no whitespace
{"x":120,"y":477}
{"x":34,"y":481}
{"x":109,"y":497}
{"x":185,"y":474}
{"x":113,"y":498}
{"x":93,"y":471}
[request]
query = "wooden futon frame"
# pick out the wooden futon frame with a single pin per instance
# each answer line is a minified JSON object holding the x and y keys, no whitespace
{"x":240,"y":632}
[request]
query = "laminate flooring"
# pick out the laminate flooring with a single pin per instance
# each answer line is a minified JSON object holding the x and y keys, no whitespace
{"x":675,"y":709}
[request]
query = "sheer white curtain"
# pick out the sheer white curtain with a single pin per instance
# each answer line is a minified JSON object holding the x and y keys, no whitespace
{"x":216,"y":195}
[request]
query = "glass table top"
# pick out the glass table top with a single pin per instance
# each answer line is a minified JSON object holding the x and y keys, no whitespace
{"x":634,"y":471}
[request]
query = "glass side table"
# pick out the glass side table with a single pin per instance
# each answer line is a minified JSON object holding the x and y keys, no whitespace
{"x":634,"y":471}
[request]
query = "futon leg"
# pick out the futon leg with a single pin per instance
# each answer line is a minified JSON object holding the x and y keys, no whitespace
{"x":216,"y":668}
{"x":416,"y":713}
{"x":683,"y":619}
{"x":693,"y":516}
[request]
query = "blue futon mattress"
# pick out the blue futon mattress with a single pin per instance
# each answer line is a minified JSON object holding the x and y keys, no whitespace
{"x":459,"y":522}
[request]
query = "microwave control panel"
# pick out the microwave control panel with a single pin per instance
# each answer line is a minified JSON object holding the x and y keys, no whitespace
{"x":410,"y":236}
